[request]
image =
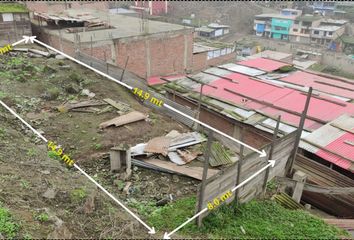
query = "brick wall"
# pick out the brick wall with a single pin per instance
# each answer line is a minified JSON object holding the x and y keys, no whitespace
{"x":103,"y":52}
{"x":156,"y":55}
{"x":43,"y":6}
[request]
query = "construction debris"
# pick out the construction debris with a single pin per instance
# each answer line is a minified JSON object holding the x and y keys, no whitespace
{"x":124,"y":119}
{"x":87,"y":92}
{"x":286,"y":201}
{"x":122,"y":107}
{"x":194,"y":172}
{"x":219,"y":155}
{"x":188,"y":156}
{"x":174,"y":157}
{"x":88,"y":103}
{"x":158,"y":145}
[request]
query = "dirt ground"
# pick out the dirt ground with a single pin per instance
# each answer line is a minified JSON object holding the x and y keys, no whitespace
{"x":31,"y":183}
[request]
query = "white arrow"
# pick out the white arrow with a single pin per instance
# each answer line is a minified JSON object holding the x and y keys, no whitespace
{"x":151,"y":229}
{"x":25,"y":39}
{"x":271,"y":163}
{"x":261,"y":153}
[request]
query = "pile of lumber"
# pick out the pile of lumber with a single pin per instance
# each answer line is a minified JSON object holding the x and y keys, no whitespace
{"x":340,"y":205}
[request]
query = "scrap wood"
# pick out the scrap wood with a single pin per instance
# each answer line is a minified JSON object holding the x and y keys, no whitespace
{"x":88,"y":103}
{"x":158,"y":145}
{"x":120,"y":106}
{"x":188,"y":156}
{"x":124,"y":119}
{"x":194,"y":172}
{"x":286,"y":201}
{"x":86,"y":110}
{"x":219,"y":155}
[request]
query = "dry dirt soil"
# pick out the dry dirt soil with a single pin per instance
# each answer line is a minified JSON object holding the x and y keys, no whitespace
{"x":32,"y":183}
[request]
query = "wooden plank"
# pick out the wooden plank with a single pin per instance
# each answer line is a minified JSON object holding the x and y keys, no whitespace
{"x":194,"y":172}
{"x":119,"y":106}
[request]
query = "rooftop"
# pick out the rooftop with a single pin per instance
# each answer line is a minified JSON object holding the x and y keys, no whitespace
{"x":203,"y":45}
{"x":326,"y":28}
{"x":271,"y":55}
{"x":205,"y":29}
{"x":333,"y":142}
{"x":123,"y":26}
{"x":264,"y":64}
{"x":308,"y":18}
{"x":274,"y":15}
{"x":12,"y":8}
{"x":335,"y":21}
{"x":348,"y":39}
{"x":217,"y":25}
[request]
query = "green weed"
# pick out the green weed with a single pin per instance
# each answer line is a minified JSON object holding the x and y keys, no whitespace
{"x":53,"y":155}
{"x":98,"y":146}
{"x":25,"y":184}
{"x":43,"y":217}
{"x":144,"y":208}
{"x":2,"y":133}
{"x":8,"y":228}
{"x":78,"y":195}
{"x":256,"y":219}
{"x":31,"y":152}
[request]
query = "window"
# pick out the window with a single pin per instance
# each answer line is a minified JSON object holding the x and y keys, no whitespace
{"x":278,"y":28}
{"x":295,"y":29}
{"x":316,"y":32}
{"x":296,"y":22}
{"x":330,"y":33}
{"x":8,"y":17}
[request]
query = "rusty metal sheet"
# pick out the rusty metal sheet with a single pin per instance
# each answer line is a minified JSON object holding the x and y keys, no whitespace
{"x":124,"y":119}
{"x":158,"y":145}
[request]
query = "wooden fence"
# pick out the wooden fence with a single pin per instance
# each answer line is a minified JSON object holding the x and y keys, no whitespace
{"x":226,"y":179}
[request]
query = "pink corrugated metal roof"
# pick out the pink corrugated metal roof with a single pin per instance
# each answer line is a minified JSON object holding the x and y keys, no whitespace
{"x":339,"y":146}
{"x":157,"y":79}
{"x":263,"y":64}
{"x":323,"y":84}
{"x":268,"y":94}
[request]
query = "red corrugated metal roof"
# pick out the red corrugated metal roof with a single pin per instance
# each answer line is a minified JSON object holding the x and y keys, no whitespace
{"x":268,"y":98}
{"x":263,"y":64}
{"x":323,"y":84}
{"x":339,"y":146}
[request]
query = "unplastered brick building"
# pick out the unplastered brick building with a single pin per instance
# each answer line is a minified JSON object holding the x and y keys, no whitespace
{"x":148,"y":47}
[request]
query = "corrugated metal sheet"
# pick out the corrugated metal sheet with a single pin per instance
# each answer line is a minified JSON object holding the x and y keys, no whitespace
{"x":327,"y":85}
{"x":331,"y":138}
{"x":263,"y":64}
{"x":243,"y":69}
{"x":271,"y":97}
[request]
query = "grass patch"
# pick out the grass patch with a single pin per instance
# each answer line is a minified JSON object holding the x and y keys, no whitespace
{"x":12,"y":7}
{"x":78,"y":195}
{"x":256,"y":219}
{"x":8,"y":228}
{"x":42,"y":217}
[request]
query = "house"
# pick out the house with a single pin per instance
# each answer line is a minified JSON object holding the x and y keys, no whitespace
{"x":153,"y":47}
{"x":324,"y":7}
{"x":326,"y":35}
{"x":59,"y":6}
{"x":153,"y":7}
{"x":213,"y":30}
{"x":301,"y":29}
{"x":276,"y":26}
{"x":14,"y":22}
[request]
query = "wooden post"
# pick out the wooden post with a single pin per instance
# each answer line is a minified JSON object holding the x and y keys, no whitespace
{"x":125,"y":66}
{"x":239,"y":167}
{"x":205,"y":174}
{"x":270,"y":156}
{"x":299,"y":130}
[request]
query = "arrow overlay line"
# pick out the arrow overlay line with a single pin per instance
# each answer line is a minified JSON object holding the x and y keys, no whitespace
{"x":271,"y":163}
{"x":32,"y":39}
{"x":151,"y":229}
